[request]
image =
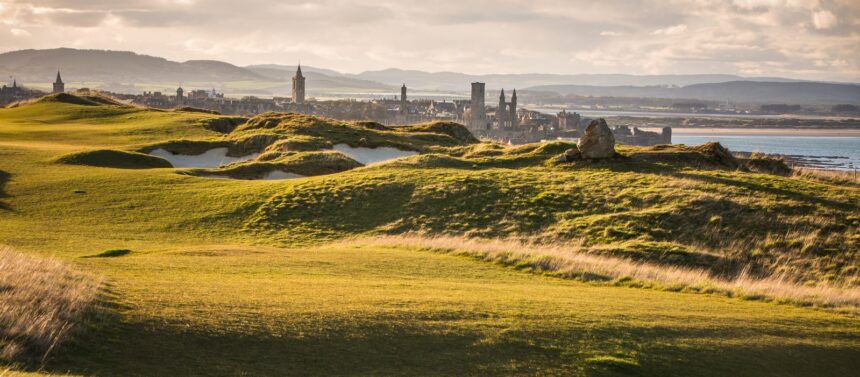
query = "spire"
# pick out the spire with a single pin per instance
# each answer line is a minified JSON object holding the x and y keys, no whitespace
{"x":502,"y":96}
{"x":299,"y":70}
{"x":514,"y":95}
{"x":59,"y":80}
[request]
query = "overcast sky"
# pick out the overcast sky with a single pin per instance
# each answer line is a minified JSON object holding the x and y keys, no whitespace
{"x":807,"y":39}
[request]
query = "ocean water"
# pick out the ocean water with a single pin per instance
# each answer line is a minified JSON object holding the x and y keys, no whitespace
{"x":830,"y":152}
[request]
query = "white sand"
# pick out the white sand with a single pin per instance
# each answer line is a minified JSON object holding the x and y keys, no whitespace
{"x":368,"y":156}
{"x":280,"y":174}
{"x":212,"y":158}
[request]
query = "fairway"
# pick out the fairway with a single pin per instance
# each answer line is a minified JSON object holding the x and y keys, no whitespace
{"x":283,"y":277}
{"x":352,"y":309}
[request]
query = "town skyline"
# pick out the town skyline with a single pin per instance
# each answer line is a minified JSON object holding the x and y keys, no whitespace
{"x":809,"y":40}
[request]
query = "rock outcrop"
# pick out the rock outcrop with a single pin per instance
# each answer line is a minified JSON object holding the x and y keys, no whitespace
{"x":597,"y":141}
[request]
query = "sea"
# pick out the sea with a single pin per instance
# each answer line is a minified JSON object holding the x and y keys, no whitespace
{"x":833,"y":152}
{"x":824,"y":152}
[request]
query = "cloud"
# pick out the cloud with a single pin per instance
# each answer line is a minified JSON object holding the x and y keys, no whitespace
{"x":672,"y":30}
{"x":824,"y":19}
{"x":19,"y":32}
{"x":812,"y":39}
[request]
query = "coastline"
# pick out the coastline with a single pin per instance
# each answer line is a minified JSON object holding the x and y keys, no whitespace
{"x":732,"y":131}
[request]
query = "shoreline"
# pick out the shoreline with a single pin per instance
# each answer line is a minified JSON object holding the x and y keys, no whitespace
{"x":731,"y":131}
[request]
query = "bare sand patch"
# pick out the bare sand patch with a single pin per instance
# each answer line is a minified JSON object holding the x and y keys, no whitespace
{"x":368,"y":156}
{"x":212,"y":158}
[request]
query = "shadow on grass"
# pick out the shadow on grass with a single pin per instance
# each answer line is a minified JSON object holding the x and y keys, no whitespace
{"x":444,"y":346}
{"x":4,"y":178}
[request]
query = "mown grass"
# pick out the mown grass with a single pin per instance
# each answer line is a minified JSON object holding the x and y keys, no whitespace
{"x":575,"y":262}
{"x":235,"y":277}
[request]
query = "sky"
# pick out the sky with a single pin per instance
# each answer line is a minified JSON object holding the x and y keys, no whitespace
{"x":803,"y":39}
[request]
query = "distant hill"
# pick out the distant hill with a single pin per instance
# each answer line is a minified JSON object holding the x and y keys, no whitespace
{"x":318,"y":79}
{"x":114,"y":66}
{"x":736,"y":91}
{"x":125,"y":71}
{"x":460,"y":81}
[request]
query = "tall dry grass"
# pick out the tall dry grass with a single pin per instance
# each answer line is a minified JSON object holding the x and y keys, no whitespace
{"x":41,"y":301}
{"x":575,"y":263}
{"x":830,"y":176}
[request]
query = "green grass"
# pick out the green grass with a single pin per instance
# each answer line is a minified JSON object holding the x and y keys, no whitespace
{"x":114,"y":159}
{"x":235,"y":277}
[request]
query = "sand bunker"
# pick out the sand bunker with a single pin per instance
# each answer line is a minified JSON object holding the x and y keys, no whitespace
{"x":212,"y":158}
{"x":270,"y":176}
{"x":372,"y":155}
{"x":280,"y":174}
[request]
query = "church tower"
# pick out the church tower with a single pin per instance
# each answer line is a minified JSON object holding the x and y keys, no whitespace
{"x":299,"y":87}
{"x":180,"y":96}
{"x":515,"y":122}
{"x":477,"y":112}
{"x":59,"y":86}
{"x":403,"y":100}
{"x":501,"y":111}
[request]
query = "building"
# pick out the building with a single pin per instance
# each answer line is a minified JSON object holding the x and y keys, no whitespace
{"x":502,"y":112}
{"x":59,"y":86}
{"x":299,"y":87}
{"x":506,"y":112}
{"x":180,"y":96}
{"x":512,"y":107}
{"x":403,"y":110}
{"x":624,"y":135}
{"x":568,"y":121}
{"x":477,"y":110}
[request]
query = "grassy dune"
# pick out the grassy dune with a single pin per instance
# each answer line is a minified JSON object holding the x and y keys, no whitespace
{"x":228,"y":277}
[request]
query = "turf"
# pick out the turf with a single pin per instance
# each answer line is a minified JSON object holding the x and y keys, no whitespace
{"x":232,"y":277}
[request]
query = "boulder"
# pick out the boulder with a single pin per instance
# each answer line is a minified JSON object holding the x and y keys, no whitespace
{"x":597,"y":141}
{"x":569,"y":155}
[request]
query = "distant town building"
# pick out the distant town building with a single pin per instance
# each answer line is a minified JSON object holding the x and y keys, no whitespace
{"x":506,"y":112}
{"x":299,"y":87}
{"x":624,"y":135}
{"x":180,"y":96}
{"x":477,"y":111}
{"x":16,"y":92}
{"x":512,"y":108}
{"x":403,"y":105}
{"x":568,"y":121}
{"x":59,"y":86}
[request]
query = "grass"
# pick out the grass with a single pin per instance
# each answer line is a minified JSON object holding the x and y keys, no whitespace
{"x":235,"y":277}
{"x":114,"y":159}
{"x":41,"y":302}
{"x":365,"y":309}
{"x":573,"y":262}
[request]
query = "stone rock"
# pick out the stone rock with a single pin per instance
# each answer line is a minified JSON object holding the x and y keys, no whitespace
{"x":597,"y":141}
{"x":569,"y":155}
{"x":572,"y":154}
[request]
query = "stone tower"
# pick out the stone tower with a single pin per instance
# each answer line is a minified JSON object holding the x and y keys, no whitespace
{"x":512,"y":118}
{"x":180,"y":96}
{"x":477,"y":112}
{"x":403,"y":100}
{"x":501,"y":111}
{"x":299,"y":87}
{"x":59,"y":86}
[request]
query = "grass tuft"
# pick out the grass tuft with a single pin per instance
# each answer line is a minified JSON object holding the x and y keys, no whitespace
{"x":41,"y":302}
